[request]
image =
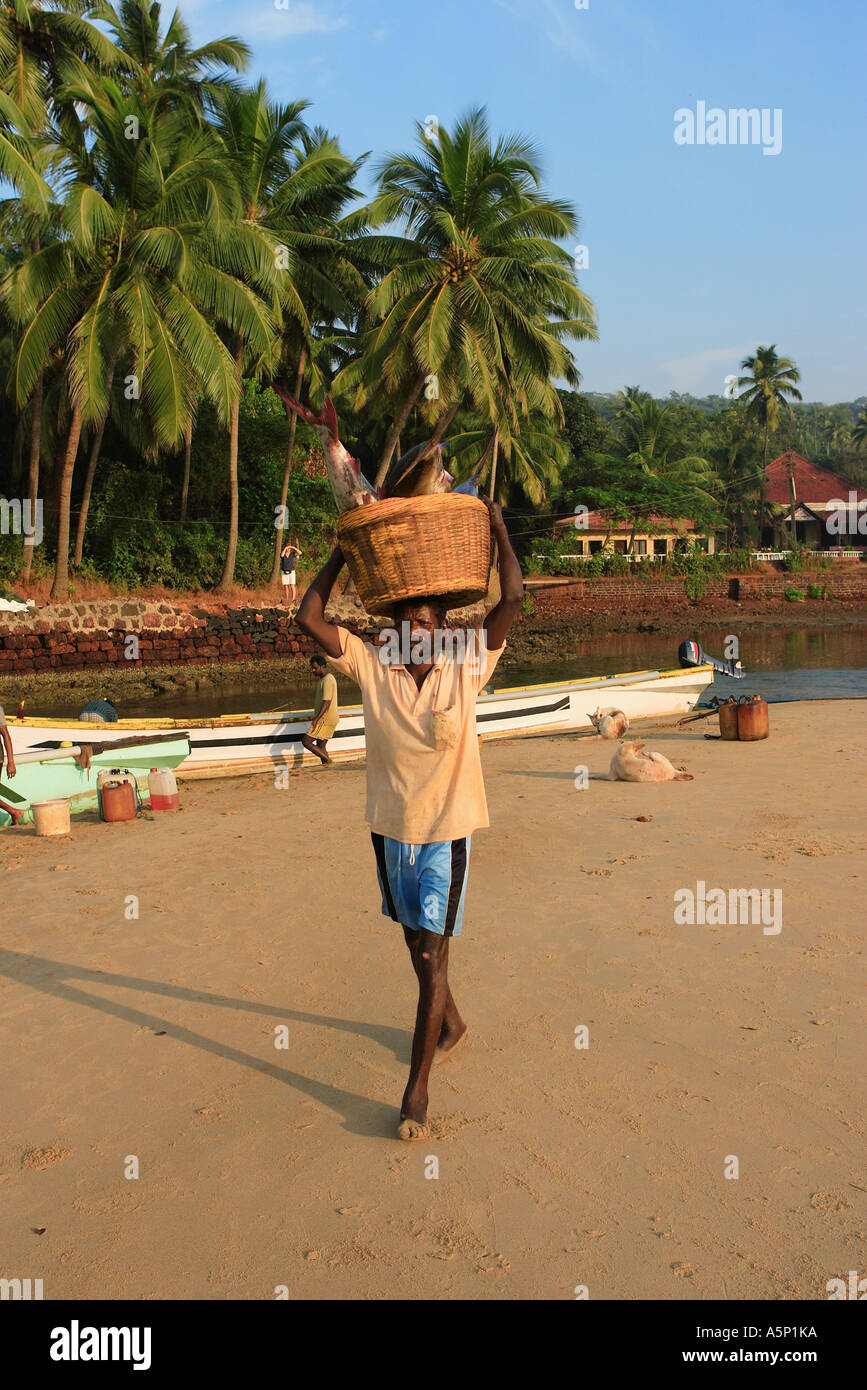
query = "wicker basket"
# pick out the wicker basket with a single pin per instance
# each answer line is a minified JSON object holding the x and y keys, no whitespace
{"x":412,"y":547}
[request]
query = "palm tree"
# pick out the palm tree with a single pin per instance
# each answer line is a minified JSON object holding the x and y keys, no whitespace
{"x":188,"y":453}
{"x":39,"y":41}
{"x":19,"y":155}
{"x":479,"y":299}
{"x":166,"y":73}
{"x":289,"y":181}
{"x":331,"y":285}
{"x":859,"y":430}
{"x":769,"y":388}
{"x":164,"y":68}
{"x":842,"y":436}
{"x":114,"y":352}
{"x":149,"y":260}
{"x":735,"y":457}
{"x":26,"y":221}
{"x":649,"y":436}
{"x":529,"y":461}
{"x":808,"y":422}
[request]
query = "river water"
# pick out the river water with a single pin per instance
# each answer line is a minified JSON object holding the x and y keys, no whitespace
{"x":782,"y":664}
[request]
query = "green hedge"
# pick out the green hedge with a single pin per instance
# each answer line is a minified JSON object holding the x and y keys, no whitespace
{"x":550,"y":556}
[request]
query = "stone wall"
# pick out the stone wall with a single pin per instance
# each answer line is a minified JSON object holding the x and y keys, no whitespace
{"x":849,"y":584}
{"x":81,"y":636}
{"x":147,"y":632}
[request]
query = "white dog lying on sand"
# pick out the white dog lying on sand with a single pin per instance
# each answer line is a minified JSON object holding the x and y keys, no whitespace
{"x":629,"y":764}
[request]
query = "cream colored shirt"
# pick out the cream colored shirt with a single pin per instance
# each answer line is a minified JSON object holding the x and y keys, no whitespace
{"x":424,"y":774}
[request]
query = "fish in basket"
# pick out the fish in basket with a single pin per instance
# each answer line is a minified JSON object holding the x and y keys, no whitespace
{"x":416,"y":535}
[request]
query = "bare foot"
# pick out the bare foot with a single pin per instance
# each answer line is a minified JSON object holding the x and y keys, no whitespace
{"x":447,"y":1044}
{"x":413,"y":1118}
{"x":412,"y":1129}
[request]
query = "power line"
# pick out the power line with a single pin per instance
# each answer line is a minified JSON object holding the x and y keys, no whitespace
{"x":169,"y":520}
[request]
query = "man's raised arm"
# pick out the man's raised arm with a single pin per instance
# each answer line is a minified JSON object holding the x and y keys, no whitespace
{"x":311,"y":614}
{"x":500,"y":618}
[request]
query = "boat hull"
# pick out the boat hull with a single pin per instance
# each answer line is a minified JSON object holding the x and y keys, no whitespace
{"x":263,"y":743}
{"x":62,"y":778}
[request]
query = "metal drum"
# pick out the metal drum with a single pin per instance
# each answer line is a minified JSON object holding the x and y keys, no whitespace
{"x":728,"y":719}
{"x":752,"y":718}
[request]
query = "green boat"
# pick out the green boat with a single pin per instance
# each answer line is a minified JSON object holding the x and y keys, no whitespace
{"x":70,"y":773}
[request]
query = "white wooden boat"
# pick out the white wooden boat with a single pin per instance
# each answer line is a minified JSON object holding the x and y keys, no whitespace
{"x":244,"y":743}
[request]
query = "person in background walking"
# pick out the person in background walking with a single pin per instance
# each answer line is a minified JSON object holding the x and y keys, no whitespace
{"x":288,"y":555}
{"x":326,"y":714}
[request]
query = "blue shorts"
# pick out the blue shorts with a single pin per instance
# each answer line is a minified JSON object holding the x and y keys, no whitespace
{"x":423,"y":885}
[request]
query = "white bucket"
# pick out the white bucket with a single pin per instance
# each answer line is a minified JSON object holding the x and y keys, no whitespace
{"x":51,"y":817}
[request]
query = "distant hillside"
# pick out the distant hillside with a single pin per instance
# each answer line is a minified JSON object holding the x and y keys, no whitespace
{"x":605,"y":403}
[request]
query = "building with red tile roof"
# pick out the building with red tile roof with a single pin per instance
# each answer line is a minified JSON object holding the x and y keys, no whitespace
{"x":830,"y":511}
{"x":655,"y":537}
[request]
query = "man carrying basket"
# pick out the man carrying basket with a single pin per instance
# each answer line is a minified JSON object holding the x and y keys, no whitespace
{"x":425,"y":793}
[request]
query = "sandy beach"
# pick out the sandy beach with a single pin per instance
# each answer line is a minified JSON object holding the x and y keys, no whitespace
{"x":602,"y":1166}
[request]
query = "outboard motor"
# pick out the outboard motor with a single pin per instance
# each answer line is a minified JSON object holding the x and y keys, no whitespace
{"x":692,"y":654}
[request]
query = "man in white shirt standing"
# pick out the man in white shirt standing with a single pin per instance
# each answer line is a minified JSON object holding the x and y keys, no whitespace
{"x":288,"y":555}
{"x":425,"y":793}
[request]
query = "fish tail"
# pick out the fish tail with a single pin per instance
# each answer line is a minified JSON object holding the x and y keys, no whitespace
{"x":328,"y":417}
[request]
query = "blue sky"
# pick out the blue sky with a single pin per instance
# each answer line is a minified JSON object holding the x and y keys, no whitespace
{"x":697,"y":253}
